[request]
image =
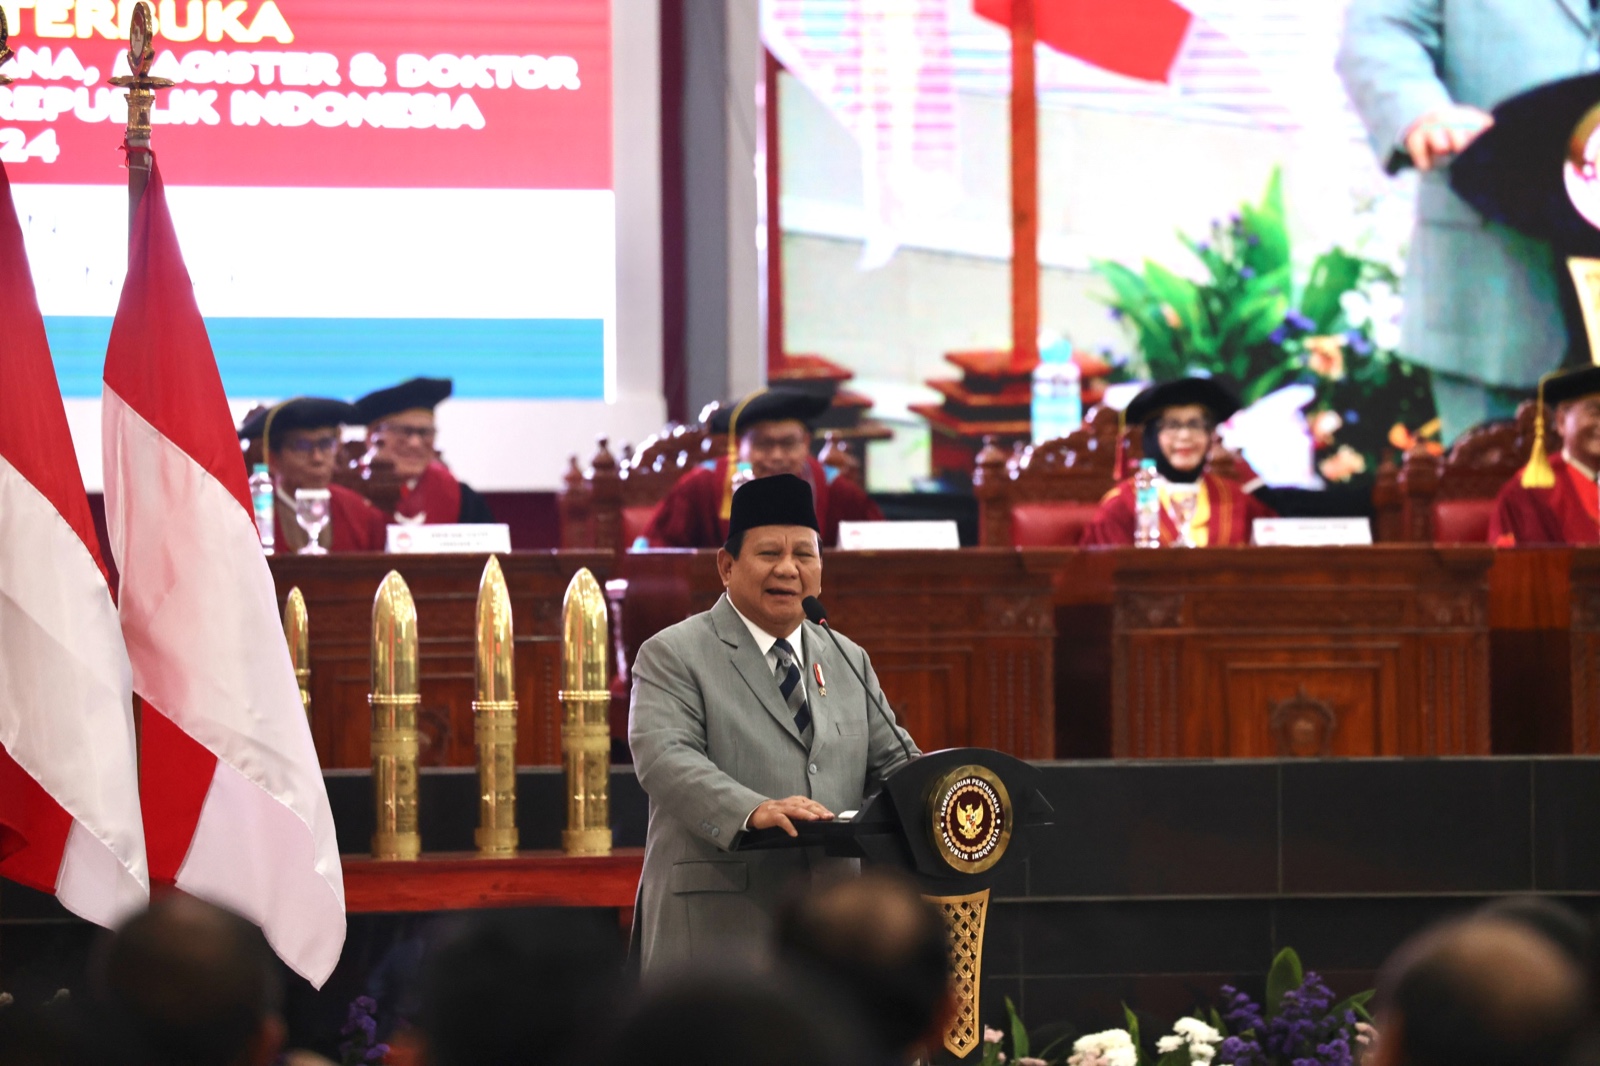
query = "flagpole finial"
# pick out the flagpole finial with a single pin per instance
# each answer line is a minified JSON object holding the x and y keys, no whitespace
{"x":5,"y":52}
{"x":140,"y":85}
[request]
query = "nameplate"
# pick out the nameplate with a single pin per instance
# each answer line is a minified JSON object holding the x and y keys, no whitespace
{"x":1310,"y":532}
{"x":478,"y":539}
{"x":886,"y":536}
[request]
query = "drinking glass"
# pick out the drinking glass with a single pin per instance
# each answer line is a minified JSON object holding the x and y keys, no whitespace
{"x":311,"y":512}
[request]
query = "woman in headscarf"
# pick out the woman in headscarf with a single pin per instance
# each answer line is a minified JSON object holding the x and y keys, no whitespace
{"x":1198,"y":509}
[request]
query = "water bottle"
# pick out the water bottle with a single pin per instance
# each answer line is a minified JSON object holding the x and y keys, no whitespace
{"x":1146,"y":506}
{"x":263,"y":501}
{"x":1057,"y":393}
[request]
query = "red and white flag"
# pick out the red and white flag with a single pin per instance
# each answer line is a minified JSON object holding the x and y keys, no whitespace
{"x":1138,"y":38}
{"x":235,"y":810}
{"x":69,"y":798}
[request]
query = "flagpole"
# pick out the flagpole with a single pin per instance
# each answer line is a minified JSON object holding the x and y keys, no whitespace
{"x":1024,"y":191}
{"x":141,"y":98}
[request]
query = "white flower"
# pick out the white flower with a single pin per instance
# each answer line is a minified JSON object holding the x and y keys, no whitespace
{"x":1357,"y":308}
{"x":1196,"y":1031}
{"x":1169,"y":1043}
{"x":1122,"y":1056}
{"x":1201,"y":1053}
{"x":1026,"y":1061}
{"x":1103,"y":1041}
{"x":992,"y":1036}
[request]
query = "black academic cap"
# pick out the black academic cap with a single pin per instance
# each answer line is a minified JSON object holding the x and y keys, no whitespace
{"x":1572,"y":385}
{"x":426,"y":393}
{"x":769,"y":405}
{"x":779,"y":500}
{"x":1209,"y":393}
{"x":1515,"y":172}
{"x":304,"y":412}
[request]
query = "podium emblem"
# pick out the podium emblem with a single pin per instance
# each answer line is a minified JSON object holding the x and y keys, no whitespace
{"x":971,"y":818}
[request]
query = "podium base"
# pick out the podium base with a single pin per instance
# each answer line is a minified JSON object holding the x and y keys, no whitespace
{"x":964,"y":919}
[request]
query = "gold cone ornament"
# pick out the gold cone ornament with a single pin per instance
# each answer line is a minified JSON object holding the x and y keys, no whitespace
{"x":297,"y":631}
{"x":394,"y":702}
{"x":494,"y":717}
{"x":585,"y":729}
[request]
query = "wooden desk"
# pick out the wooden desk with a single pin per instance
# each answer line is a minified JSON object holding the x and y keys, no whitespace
{"x":962,"y":641}
{"x":339,"y":590}
{"x":1253,"y":652}
{"x":461,"y":881}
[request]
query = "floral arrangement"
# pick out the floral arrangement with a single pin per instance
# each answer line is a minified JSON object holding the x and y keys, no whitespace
{"x":1299,"y":1024}
{"x":360,"y":1046}
{"x":1248,"y":318}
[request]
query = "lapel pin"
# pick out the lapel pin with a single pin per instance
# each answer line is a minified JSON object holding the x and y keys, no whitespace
{"x":822,"y":685}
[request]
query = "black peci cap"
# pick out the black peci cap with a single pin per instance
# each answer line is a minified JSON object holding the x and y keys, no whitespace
{"x":416,"y":394}
{"x":1209,"y":393}
{"x":779,"y":500}
{"x":770,"y":405}
{"x":1517,"y":171}
{"x":303,"y":412}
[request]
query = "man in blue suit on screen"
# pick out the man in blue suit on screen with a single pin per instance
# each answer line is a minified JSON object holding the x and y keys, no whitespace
{"x":1483,"y":302}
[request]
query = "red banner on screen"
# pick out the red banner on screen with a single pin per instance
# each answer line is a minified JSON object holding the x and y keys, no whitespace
{"x":319,"y":93}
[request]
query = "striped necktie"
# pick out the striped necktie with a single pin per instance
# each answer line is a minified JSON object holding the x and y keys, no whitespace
{"x":794,"y":693}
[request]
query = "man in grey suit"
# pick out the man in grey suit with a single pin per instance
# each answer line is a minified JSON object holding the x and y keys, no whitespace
{"x":746,"y":717}
{"x":1483,"y":303}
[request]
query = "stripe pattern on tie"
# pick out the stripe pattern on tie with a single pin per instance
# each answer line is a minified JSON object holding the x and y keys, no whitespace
{"x":794,"y":693}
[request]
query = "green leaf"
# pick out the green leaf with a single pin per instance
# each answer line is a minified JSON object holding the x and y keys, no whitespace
{"x":1285,"y":976}
{"x":1133,"y":1030}
{"x":1180,"y":1057}
{"x":1334,"y":273}
{"x":1214,"y":1016}
{"x":1356,"y":1004}
{"x":1019,"y":1032}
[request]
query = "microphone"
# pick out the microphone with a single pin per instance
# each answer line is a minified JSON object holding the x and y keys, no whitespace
{"x":816,"y":615}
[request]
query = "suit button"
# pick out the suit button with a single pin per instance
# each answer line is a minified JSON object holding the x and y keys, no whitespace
{"x":715,"y":831}
{"x":813,"y":768}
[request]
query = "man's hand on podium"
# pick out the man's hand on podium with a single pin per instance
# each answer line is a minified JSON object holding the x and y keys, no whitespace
{"x":1444,"y":132}
{"x":785,"y":812}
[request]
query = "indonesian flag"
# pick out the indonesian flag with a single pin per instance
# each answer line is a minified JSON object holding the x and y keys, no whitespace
{"x":235,"y":810}
{"x":1138,"y":38}
{"x":69,"y":798}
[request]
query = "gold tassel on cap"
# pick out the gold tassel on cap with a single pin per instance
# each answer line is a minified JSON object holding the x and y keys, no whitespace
{"x":1537,"y":474}
{"x":733,"y":454}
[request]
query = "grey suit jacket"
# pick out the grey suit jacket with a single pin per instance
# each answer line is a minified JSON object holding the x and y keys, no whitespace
{"x":1481,"y":299}
{"x":712,"y":738}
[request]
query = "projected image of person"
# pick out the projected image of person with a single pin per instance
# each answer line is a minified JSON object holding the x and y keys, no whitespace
{"x":1198,"y":508}
{"x":773,"y":428}
{"x":401,"y":429}
{"x":302,"y":442}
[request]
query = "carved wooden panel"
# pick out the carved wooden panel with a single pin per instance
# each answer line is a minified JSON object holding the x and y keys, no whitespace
{"x":1585,"y":642}
{"x":339,"y":590}
{"x":962,"y":641}
{"x":1259,"y":652}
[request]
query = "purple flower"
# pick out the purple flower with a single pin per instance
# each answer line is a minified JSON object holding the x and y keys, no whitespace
{"x":1247,"y":273}
{"x":377,"y":1053}
{"x":1252,"y":240}
{"x":1279,"y":335}
{"x":1203,"y":247}
{"x":1358,"y":342}
{"x":1116,"y":314}
{"x":1298,"y":321}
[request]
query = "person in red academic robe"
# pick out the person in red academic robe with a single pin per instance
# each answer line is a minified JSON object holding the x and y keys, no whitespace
{"x":773,"y":431}
{"x":301,"y":443}
{"x":401,"y":429}
{"x":1198,"y":509}
{"x":1567,"y":509}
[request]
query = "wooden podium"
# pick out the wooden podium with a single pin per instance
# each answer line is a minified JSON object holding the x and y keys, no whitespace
{"x":1251,"y":652}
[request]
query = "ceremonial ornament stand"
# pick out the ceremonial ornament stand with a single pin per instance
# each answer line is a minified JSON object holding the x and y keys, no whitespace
{"x":297,"y":632}
{"x":141,"y":98}
{"x":394,"y":702}
{"x":494,"y":713}
{"x":586,"y":728}
{"x":951,"y":819}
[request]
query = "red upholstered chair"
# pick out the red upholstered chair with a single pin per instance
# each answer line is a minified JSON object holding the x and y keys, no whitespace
{"x":1449,"y":499}
{"x":1046,"y":494}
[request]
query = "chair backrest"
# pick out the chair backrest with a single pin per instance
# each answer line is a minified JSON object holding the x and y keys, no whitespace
{"x":1053,"y":487}
{"x":1449,"y":498}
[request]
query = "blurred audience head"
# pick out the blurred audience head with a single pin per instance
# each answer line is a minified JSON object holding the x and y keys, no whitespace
{"x":1484,"y":991}
{"x":883,"y":947}
{"x":1559,"y":923}
{"x":188,"y":982}
{"x":519,"y":986}
{"x":737,"y":1018}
